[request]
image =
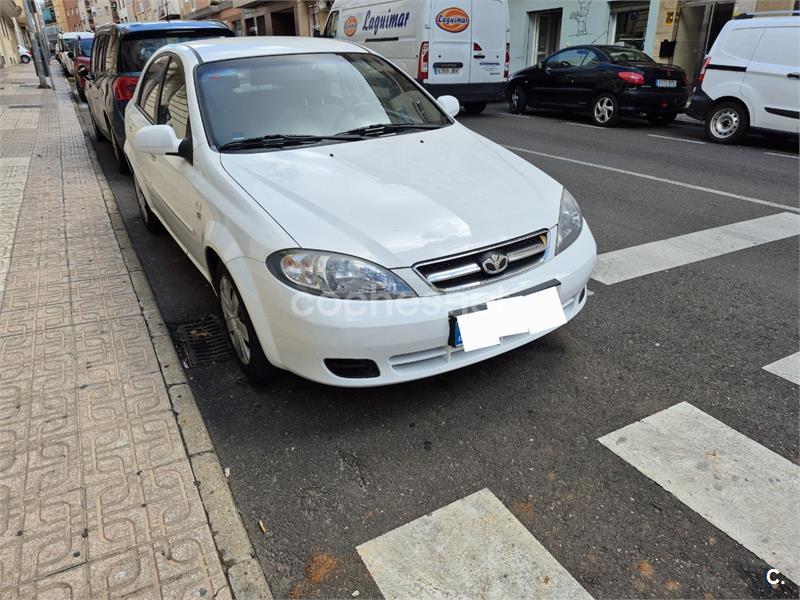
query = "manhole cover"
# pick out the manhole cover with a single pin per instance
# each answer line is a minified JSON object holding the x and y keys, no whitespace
{"x":202,"y":342}
{"x":10,"y":106}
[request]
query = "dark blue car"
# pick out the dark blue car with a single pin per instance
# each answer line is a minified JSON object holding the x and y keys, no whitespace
{"x":119,"y":54}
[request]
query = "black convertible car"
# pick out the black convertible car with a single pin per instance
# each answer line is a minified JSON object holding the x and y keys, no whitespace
{"x":603,"y":81}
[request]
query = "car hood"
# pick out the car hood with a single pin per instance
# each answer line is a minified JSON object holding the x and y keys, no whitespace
{"x":400,"y":199}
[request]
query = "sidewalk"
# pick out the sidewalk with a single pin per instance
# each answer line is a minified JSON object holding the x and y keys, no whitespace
{"x":108,"y":480}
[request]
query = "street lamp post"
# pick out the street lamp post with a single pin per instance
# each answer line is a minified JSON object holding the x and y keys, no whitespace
{"x":36,"y":41}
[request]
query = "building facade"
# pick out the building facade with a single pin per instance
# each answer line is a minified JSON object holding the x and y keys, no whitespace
{"x":9,"y":12}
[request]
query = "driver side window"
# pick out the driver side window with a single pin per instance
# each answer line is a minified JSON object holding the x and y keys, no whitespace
{"x":331,"y":25}
{"x":567,"y":59}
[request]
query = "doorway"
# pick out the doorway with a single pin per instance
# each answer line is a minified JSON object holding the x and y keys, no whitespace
{"x":545,"y":34}
{"x":698,"y":28}
{"x":283,"y":22}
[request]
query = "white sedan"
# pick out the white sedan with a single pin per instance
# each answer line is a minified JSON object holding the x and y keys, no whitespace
{"x":355,"y":233}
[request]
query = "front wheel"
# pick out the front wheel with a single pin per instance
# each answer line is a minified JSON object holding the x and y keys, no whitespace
{"x":81,"y":94}
{"x":727,"y":123}
{"x":151,"y":222}
{"x":241,"y":334}
{"x":605,"y":111}
{"x":474,"y":108}
{"x":662,"y":119}
{"x":518,"y":100}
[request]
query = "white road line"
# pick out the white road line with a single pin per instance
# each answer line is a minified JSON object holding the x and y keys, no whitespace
{"x":667,"y":137}
{"x":736,"y":484}
{"x":788,"y":368}
{"x":783,"y":155}
{"x":584,"y":125}
{"x":636,"y":261}
{"x":500,"y":114}
{"x":472,"y":548}
{"x":654,"y":178}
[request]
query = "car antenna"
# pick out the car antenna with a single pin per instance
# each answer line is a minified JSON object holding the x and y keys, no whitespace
{"x":598,"y":37}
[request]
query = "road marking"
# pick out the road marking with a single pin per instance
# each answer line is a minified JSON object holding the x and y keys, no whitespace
{"x":667,"y":137}
{"x":472,"y":548}
{"x":500,"y":114}
{"x":788,"y":368}
{"x":636,"y":261}
{"x":783,"y":155}
{"x":736,"y":484}
{"x":654,"y":178}
{"x":584,"y":125}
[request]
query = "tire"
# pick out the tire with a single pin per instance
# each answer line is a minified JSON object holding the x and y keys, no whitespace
{"x":727,"y":123}
{"x":119,"y":155}
{"x":25,"y":59}
{"x":474,"y":108}
{"x":517,"y":100}
{"x":150,"y":220}
{"x":99,"y":135}
{"x":662,"y":119}
{"x":248,"y":352}
{"x":605,"y":110}
{"x":81,"y":94}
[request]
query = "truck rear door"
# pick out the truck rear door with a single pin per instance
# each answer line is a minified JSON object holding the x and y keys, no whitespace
{"x":489,"y":37}
{"x":450,"y":52}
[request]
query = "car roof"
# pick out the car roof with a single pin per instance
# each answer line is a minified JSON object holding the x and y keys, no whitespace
{"x":132,"y":28}
{"x":240,"y":47}
{"x":758,"y":22}
{"x":73,"y":34}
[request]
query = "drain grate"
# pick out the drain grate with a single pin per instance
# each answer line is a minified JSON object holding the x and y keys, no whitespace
{"x":202,"y":342}
{"x":29,"y":85}
{"x":10,"y":106}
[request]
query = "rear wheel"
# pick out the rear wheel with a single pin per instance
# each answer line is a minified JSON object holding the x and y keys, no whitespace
{"x":605,"y":111}
{"x":99,"y":135}
{"x":727,"y":123}
{"x":662,"y":118}
{"x":241,"y":334}
{"x":24,"y":59}
{"x":474,"y":108}
{"x":119,"y":154}
{"x":81,"y":94}
{"x":151,"y":222}
{"x":517,"y":100}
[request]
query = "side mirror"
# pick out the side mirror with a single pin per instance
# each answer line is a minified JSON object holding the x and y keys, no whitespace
{"x":85,"y":73}
{"x":450,"y":105}
{"x":317,"y":34}
{"x":70,"y":55}
{"x":156,"y":139}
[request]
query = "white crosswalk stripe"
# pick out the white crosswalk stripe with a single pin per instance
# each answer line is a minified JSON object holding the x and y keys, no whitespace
{"x":636,"y":261}
{"x":788,"y":368}
{"x":472,"y":548}
{"x":738,"y":485}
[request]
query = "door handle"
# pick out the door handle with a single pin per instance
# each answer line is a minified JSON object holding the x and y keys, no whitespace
{"x":794,"y":75}
{"x":478,"y":56}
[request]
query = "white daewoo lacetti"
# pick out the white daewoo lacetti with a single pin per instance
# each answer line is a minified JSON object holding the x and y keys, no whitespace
{"x":355,"y":234}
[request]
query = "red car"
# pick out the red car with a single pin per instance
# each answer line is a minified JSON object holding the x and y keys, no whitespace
{"x":81,"y":54}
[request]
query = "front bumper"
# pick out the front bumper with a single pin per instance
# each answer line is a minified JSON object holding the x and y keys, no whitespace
{"x":653,"y":101}
{"x":407,"y":339}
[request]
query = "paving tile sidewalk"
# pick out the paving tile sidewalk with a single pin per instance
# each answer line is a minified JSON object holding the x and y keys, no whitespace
{"x":99,"y":496}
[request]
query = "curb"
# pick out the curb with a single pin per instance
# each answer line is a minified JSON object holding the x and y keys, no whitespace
{"x":246,"y":579}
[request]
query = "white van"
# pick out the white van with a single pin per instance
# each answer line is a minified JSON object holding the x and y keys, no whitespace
{"x":750,"y":79}
{"x":452,"y":47}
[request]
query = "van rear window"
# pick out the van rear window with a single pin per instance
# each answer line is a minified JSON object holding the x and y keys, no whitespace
{"x":135,"y":52}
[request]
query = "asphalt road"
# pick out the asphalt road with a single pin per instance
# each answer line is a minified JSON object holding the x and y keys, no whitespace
{"x":328,"y":469}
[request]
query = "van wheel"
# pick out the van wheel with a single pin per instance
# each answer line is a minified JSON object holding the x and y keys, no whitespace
{"x":151,"y":222}
{"x":517,"y":100}
{"x":727,"y":123}
{"x":474,"y":108}
{"x":605,"y":110}
{"x":662,"y":119}
{"x":241,"y":334}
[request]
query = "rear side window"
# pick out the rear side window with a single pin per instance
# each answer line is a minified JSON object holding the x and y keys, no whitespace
{"x":98,"y":53}
{"x":111,"y":55}
{"x":135,"y":52}
{"x":151,"y":86}
{"x":779,"y":46}
{"x":173,"y":108}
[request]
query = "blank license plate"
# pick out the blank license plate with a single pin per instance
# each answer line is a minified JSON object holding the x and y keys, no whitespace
{"x":666,"y":83}
{"x":535,"y":313}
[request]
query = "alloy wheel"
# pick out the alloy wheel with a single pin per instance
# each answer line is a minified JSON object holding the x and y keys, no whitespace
{"x":232,"y":312}
{"x":515,"y":99}
{"x":141,"y":201}
{"x":604,"y":109}
{"x":724,"y":123}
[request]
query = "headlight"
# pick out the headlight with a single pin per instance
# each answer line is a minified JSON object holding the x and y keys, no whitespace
{"x":570,"y":221}
{"x":337,"y":275}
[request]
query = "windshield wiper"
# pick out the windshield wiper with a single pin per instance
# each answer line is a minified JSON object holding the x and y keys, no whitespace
{"x":283,"y":140}
{"x":384,"y":128}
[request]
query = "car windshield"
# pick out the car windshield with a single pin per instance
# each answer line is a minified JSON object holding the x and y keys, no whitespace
{"x":627,"y":55}
{"x":310,"y":95}
{"x":135,"y":52}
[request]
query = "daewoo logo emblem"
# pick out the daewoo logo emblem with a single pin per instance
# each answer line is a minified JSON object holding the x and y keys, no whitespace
{"x":350,"y":26}
{"x":494,"y":263}
{"x":453,"y":19}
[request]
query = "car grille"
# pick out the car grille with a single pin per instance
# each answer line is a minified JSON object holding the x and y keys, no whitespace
{"x":463,"y":271}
